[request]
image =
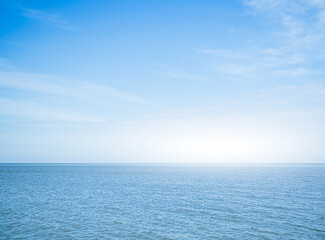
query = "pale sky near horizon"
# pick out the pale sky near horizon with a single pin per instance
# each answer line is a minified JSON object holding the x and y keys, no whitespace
{"x":162,"y":81}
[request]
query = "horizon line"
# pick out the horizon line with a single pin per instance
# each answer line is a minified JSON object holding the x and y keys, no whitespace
{"x":161,"y":163}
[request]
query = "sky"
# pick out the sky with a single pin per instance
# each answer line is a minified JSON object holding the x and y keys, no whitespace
{"x":166,"y":81}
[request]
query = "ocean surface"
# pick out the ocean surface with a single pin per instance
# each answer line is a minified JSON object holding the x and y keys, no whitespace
{"x":112,"y":201}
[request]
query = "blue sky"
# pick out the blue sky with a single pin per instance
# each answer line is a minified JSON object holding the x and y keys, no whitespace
{"x":162,"y":81}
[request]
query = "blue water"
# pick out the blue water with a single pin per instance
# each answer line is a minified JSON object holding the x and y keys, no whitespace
{"x":162,"y":202}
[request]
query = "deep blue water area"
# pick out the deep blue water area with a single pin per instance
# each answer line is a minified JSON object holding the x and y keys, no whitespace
{"x":112,"y":201}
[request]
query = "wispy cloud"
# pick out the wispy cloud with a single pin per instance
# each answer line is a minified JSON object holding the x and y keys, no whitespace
{"x":106,"y":91}
{"x":301,"y":20}
{"x":47,"y":84}
{"x":295,"y":43}
{"x":180,"y":74}
{"x":6,"y":65}
{"x":46,"y":17}
{"x":266,"y":127}
{"x":184,"y":76}
{"x":263,"y":63}
{"x":227,"y":54}
{"x":295,"y":72}
{"x":308,"y":94}
{"x":29,"y":110}
{"x":50,"y":97}
{"x":212,"y":134}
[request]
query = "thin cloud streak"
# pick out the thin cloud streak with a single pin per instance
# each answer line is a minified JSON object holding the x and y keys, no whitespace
{"x":46,"y":17}
{"x":47,"y":84}
{"x":184,"y":76}
{"x":40,"y":112}
{"x":295,"y":46}
{"x":50,"y":98}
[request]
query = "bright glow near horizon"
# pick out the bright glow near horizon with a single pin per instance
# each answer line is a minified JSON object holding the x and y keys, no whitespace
{"x":162,"y":81}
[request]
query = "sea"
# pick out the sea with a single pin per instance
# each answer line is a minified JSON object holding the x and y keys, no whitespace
{"x":162,"y":201}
